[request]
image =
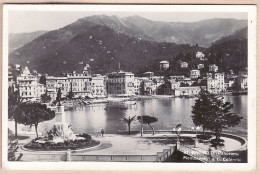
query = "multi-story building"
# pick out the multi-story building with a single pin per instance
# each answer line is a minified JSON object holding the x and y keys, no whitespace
{"x":80,"y":84}
{"x":242,"y":79}
{"x":139,"y":85}
{"x":27,"y":86}
{"x":164,"y":65}
{"x":213,"y":68}
{"x":54,"y":83}
{"x":97,"y":86}
{"x":194,"y":74}
{"x":215,"y":82}
{"x":120,"y":84}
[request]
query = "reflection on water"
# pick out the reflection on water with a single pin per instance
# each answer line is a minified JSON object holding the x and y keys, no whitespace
{"x":170,"y":112}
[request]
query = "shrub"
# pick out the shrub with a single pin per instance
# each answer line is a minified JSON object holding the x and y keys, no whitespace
{"x":217,"y":142}
{"x":69,"y":144}
{"x":204,"y":137}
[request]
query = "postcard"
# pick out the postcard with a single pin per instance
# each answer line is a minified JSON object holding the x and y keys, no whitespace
{"x":130,"y":87}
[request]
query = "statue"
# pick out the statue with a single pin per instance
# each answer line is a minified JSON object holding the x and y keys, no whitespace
{"x":58,"y":98}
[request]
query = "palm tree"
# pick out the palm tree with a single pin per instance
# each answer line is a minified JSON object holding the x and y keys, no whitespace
{"x":129,"y":121}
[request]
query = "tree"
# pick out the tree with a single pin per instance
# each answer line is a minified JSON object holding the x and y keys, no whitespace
{"x":211,"y":112}
{"x":128,"y":121}
{"x":145,"y":119}
{"x":201,"y":111}
{"x":34,"y":113}
{"x":14,"y":111}
{"x":42,"y":80}
{"x":45,"y":98}
{"x":222,"y":118}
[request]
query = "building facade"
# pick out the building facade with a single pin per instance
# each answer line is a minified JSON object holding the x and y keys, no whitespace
{"x":164,"y":65}
{"x":194,"y":74}
{"x":215,"y":82}
{"x":120,"y":84}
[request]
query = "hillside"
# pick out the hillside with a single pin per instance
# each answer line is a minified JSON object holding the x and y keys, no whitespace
{"x":104,"y":41}
{"x":17,"y":40}
{"x":65,"y":49}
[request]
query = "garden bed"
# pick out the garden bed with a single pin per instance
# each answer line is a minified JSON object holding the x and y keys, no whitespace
{"x":61,"y":146}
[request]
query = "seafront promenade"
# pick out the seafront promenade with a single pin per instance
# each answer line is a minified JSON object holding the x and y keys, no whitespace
{"x":115,"y":147}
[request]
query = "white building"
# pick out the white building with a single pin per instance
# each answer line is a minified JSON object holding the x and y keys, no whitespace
{"x":28,"y":86}
{"x":54,"y":83}
{"x":213,"y":68}
{"x":194,"y":74}
{"x":80,"y":84}
{"x":184,"y":65}
{"x":215,"y":82}
{"x":97,"y":86}
{"x":200,"y":55}
{"x":200,"y":66}
{"x":189,"y":91}
{"x":139,"y":84}
{"x":164,"y":65}
{"x":120,"y":84}
{"x":242,"y":79}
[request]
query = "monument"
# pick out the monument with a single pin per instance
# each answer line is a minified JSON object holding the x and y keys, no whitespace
{"x":63,"y":129}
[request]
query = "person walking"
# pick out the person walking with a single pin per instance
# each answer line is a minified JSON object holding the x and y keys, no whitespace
{"x":102,"y":132}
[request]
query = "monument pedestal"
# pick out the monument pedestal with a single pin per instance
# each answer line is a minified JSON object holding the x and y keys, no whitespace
{"x":62,"y":126}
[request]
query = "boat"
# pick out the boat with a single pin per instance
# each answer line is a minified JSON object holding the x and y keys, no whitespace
{"x":86,"y":102}
{"x":116,"y":107}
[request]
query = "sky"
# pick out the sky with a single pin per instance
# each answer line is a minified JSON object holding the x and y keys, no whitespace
{"x":29,"y":21}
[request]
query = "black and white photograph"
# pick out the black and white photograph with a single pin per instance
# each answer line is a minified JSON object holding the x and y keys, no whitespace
{"x":165,"y":86}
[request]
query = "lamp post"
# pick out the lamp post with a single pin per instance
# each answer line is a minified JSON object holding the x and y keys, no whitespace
{"x":178,"y":133}
{"x":196,"y":139}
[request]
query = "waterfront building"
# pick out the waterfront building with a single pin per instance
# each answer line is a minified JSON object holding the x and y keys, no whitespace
{"x":184,"y":65}
{"x":97,"y":86}
{"x":164,"y":65}
{"x":139,"y":85}
{"x":194,"y":74}
{"x":148,"y":87}
{"x":27,"y":86}
{"x":215,"y":82}
{"x":242,"y":79}
{"x":80,"y":84}
{"x":189,"y":91}
{"x":213,"y":68}
{"x":120,"y":84}
{"x":200,"y":66}
{"x":54,"y":83}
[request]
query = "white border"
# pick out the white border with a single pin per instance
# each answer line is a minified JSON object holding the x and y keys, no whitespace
{"x":250,"y":9}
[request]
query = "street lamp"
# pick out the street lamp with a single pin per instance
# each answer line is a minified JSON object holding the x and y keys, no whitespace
{"x":196,"y":139}
{"x":178,"y":133}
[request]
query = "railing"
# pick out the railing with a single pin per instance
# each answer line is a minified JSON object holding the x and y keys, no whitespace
{"x":113,"y":158}
{"x":162,"y":156}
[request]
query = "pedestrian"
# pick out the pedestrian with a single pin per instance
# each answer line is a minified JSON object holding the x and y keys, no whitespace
{"x":102,"y":132}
